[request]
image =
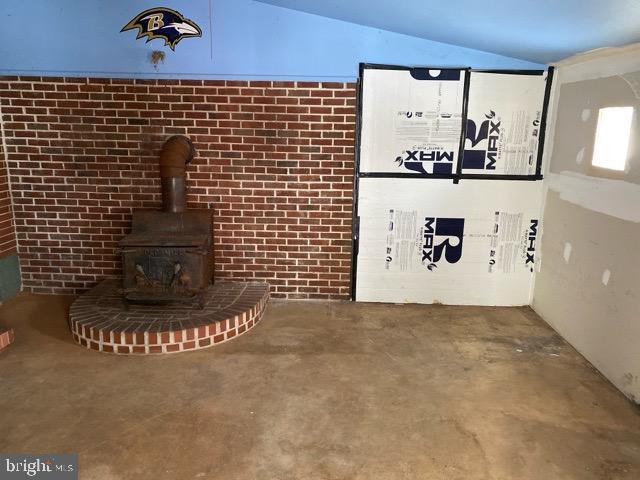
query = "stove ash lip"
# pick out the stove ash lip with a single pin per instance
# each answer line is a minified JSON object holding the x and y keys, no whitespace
{"x":177,"y":152}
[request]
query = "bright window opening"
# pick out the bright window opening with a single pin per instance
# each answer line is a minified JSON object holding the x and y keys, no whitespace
{"x":612,"y":138}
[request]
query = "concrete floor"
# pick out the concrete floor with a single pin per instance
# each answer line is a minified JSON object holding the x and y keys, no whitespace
{"x":321,"y":391}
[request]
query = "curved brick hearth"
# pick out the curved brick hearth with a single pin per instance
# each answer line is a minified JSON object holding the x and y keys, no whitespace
{"x":99,"y":320}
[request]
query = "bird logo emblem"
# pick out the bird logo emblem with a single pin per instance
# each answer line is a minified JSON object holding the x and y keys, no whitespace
{"x":164,"y":23}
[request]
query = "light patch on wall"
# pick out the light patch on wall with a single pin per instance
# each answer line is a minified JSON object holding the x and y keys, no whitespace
{"x":611,"y":197}
{"x":580,"y":156}
{"x":612,"y":138}
{"x":566,"y":254}
{"x":586,"y":114}
{"x":606,"y":275}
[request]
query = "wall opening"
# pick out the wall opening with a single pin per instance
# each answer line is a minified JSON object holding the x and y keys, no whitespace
{"x":612,"y":138}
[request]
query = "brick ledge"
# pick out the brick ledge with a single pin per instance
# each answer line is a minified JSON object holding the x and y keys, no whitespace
{"x":6,"y":337}
{"x":99,"y":320}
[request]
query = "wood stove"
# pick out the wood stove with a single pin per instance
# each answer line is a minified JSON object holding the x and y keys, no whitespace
{"x":168,"y":257}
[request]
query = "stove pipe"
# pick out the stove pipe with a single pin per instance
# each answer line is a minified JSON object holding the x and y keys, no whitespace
{"x":176,"y":153}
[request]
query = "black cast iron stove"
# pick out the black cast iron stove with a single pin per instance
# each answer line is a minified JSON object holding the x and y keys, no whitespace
{"x":168,"y":257}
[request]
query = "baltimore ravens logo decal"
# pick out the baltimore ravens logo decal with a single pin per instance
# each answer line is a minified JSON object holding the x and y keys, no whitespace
{"x":163,"y":23}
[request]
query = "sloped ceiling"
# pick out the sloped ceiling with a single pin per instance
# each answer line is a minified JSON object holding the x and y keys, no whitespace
{"x":540,"y":31}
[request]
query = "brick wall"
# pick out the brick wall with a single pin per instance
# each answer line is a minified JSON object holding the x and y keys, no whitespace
{"x":275,"y":161}
{"x":7,"y":230}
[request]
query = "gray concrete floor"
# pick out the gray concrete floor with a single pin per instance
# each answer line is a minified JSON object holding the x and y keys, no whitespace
{"x":321,"y":391}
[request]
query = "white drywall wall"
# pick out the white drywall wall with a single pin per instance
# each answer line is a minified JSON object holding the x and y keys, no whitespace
{"x":588,"y":287}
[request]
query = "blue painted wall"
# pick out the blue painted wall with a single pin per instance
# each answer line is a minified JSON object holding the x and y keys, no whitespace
{"x":241,"y":39}
{"x":535,"y":30}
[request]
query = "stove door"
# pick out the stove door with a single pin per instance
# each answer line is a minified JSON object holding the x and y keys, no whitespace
{"x":157,"y":271}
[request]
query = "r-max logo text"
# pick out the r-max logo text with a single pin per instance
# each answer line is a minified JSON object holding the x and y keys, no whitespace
{"x":531,"y":243}
{"x":489,"y":131}
{"x":441,"y":237}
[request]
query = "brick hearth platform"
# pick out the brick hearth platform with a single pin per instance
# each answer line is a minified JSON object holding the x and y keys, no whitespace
{"x":6,"y":337}
{"x":99,"y":319}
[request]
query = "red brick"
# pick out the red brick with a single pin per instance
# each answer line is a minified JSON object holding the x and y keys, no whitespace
{"x":261,"y":146}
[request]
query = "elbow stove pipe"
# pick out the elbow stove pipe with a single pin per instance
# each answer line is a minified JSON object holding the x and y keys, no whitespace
{"x":176,"y":153}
